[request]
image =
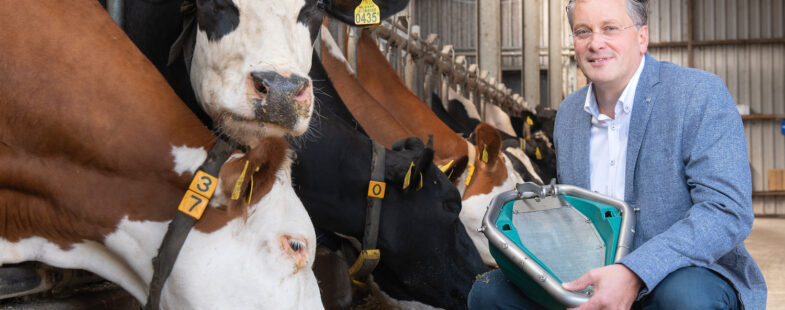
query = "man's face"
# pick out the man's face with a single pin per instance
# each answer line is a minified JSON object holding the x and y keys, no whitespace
{"x":608,"y":61}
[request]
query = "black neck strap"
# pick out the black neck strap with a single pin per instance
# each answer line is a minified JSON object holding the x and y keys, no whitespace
{"x":198,"y":195}
{"x":369,"y":256}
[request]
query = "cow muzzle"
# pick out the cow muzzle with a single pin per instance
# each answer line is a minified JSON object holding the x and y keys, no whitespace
{"x":278,"y":99}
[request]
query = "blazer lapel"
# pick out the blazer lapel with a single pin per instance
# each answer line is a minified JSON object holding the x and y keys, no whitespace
{"x":582,"y":143}
{"x":645,"y":97}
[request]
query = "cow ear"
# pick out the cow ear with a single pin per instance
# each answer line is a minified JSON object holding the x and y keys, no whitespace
{"x":489,"y":143}
{"x":406,"y":168}
{"x":343,"y":10}
{"x":246,"y":179}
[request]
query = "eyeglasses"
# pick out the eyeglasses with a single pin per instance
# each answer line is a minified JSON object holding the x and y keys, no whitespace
{"x":607,"y":32}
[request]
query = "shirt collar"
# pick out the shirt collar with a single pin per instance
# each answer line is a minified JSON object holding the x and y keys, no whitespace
{"x":627,"y":96}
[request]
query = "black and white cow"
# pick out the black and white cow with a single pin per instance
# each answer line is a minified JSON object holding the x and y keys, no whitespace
{"x":247,"y":60}
{"x":426,"y":254}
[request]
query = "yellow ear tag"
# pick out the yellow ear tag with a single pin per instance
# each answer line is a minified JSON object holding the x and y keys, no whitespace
{"x":529,"y":121}
{"x":408,"y":178}
{"x":419,"y":184}
{"x":469,"y":177}
{"x":446,"y":167}
{"x":367,"y":13}
{"x":484,"y":156}
{"x":537,"y":153}
{"x":238,"y":185}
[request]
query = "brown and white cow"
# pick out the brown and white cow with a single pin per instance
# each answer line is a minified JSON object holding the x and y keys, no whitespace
{"x":96,"y":152}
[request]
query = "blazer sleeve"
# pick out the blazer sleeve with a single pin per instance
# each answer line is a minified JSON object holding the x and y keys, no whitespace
{"x":717,"y":173}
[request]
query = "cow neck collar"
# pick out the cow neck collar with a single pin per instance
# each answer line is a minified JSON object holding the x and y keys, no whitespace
{"x":369,"y":256}
{"x":182,"y":223}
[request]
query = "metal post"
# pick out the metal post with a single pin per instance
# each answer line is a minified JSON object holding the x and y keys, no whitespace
{"x":353,"y":36}
{"x":409,"y":68}
{"x":338,"y":31}
{"x":489,"y":38}
{"x":554,"y":53}
{"x":530,"y":66}
{"x":115,"y":9}
{"x":317,"y":44}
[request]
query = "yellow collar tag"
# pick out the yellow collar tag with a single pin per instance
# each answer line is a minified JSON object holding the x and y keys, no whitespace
{"x":469,"y":177}
{"x":484,"y":156}
{"x":376,"y":189}
{"x":529,"y":121}
{"x":523,"y":144}
{"x":367,"y":13}
{"x":537,"y":153}
{"x":200,"y":191}
{"x":408,"y":178}
{"x":238,"y":185}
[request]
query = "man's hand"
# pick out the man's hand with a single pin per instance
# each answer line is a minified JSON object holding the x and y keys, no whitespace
{"x":615,"y":287}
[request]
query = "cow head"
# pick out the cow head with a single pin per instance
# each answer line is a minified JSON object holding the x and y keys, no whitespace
{"x":426,"y":254}
{"x":492,"y":175}
{"x":250,"y":61}
{"x":254,"y":247}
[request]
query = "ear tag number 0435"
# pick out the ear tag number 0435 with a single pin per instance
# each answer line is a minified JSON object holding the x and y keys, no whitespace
{"x":199,"y":192}
{"x":367,"y":13}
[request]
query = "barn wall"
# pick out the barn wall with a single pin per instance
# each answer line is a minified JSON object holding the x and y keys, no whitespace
{"x":754,"y":71}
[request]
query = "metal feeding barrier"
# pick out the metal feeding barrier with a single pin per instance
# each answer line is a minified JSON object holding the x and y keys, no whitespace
{"x":427,"y":68}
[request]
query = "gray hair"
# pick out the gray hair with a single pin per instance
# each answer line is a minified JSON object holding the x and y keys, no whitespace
{"x":637,"y":9}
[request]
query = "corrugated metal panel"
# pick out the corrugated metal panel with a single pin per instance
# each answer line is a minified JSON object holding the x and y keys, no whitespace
{"x":453,"y":20}
{"x":738,"y":19}
{"x":667,"y":20}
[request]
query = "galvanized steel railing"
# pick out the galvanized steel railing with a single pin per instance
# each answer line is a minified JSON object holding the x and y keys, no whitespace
{"x":427,"y":68}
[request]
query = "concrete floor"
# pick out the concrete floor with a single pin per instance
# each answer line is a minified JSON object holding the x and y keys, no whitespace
{"x":766,"y":244}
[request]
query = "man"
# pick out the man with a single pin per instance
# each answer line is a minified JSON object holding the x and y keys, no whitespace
{"x":669,"y":141}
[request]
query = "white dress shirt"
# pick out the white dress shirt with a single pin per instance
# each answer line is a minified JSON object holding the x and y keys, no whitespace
{"x":608,"y":150}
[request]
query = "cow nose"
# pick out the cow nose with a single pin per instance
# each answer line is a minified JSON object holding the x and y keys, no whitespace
{"x":272,"y":85}
{"x":280,"y":100}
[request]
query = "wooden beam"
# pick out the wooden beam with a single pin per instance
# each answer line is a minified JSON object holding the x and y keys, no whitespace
{"x":739,"y":42}
{"x":763,"y":117}
{"x":768,"y":193}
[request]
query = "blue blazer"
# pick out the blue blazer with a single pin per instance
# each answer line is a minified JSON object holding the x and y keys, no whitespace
{"x":687,"y":171}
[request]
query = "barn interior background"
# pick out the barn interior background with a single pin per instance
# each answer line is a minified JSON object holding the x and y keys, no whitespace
{"x":741,"y":41}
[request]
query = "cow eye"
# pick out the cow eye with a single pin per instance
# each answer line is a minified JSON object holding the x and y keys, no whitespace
{"x":296,"y":245}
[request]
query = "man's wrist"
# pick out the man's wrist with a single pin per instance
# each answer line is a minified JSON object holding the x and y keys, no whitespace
{"x":638,"y":282}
